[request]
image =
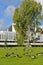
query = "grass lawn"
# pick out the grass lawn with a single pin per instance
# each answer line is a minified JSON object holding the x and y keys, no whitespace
{"x":24,"y":60}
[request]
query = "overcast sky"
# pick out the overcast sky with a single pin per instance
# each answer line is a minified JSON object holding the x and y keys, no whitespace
{"x":6,"y":12}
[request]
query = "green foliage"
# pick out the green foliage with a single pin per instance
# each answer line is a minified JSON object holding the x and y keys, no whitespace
{"x":25,"y":17}
{"x":20,"y":39}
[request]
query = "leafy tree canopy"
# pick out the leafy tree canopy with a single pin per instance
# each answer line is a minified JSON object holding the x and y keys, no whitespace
{"x":25,"y":16}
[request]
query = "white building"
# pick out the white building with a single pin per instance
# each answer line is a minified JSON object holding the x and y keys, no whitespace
{"x":9,"y":35}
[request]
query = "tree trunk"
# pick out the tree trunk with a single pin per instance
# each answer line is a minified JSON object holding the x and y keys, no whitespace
{"x":28,"y":35}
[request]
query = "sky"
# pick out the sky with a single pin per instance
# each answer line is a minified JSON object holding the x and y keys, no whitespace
{"x":7,"y":8}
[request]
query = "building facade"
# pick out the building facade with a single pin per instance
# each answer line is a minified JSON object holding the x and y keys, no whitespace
{"x":9,"y":35}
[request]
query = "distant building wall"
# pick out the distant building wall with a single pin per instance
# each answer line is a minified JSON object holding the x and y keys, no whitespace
{"x":7,"y":35}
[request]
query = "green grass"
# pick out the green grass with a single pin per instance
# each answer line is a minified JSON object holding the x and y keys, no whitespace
{"x":24,"y":60}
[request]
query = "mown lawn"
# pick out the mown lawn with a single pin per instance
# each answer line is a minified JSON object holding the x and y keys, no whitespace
{"x":23,"y":59}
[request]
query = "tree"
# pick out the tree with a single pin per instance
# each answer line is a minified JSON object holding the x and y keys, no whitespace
{"x":24,"y":17}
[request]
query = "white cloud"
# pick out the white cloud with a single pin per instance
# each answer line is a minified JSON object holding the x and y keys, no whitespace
{"x":9,"y":11}
{"x":40,"y":1}
{"x":2,"y":24}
